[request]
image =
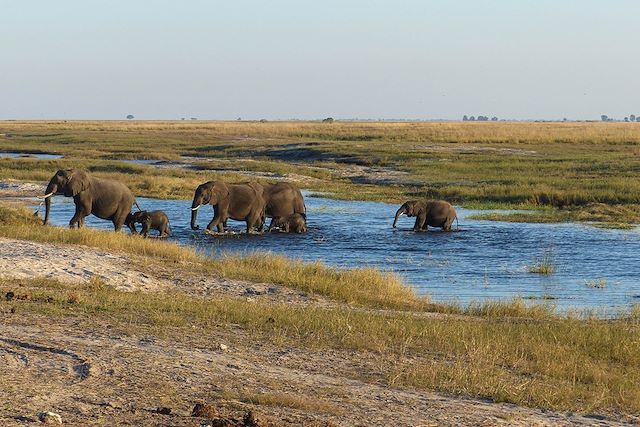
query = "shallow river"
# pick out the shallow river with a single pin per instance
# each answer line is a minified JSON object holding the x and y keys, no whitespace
{"x":485,"y":260}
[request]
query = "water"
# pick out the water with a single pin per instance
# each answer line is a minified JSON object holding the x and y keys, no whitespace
{"x":39,"y":156}
{"x":486,"y":260}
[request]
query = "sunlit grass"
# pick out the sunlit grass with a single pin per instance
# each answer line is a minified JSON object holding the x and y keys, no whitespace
{"x":574,"y":171}
{"x":555,"y":362}
{"x":358,"y":286}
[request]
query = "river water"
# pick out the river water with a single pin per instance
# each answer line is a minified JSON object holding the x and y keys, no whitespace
{"x":485,"y":260}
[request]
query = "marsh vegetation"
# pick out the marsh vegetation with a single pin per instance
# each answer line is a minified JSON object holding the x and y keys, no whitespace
{"x":572,"y":171}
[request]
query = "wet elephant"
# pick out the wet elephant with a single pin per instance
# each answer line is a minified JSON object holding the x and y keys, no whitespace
{"x":434,"y":213}
{"x":240,"y":202}
{"x":104,"y":198}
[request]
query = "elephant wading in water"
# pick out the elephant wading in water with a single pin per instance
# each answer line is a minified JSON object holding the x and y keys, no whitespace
{"x":152,"y":220}
{"x":241,"y":202}
{"x":294,"y":223}
{"x":434,"y":213}
{"x":104,"y":198}
{"x":282,"y":200}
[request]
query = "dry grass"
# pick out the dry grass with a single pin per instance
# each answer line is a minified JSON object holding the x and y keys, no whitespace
{"x":364,"y":286}
{"x":559,"y":363}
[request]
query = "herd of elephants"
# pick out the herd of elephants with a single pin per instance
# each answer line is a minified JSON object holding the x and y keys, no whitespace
{"x":251,"y":202}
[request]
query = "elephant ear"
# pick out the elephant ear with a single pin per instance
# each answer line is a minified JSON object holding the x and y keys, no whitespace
{"x":78,"y":181}
{"x":221,"y":191}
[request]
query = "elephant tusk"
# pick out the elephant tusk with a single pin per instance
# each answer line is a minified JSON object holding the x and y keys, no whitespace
{"x":196,"y":208}
{"x":48,"y":195}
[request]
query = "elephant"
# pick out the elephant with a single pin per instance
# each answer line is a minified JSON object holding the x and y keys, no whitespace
{"x":104,"y":198}
{"x":294,"y":223}
{"x":434,"y":213}
{"x":282,"y":200}
{"x":241,"y":202}
{"x":156,"y":220}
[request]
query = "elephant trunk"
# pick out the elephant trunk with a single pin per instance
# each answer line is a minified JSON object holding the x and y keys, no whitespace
{"x":398,"y":213}
{"x":194,"y":216}
{"x":49,"y":192}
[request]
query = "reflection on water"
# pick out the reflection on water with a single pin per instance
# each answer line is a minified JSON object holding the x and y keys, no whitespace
{"x":484,"y":260}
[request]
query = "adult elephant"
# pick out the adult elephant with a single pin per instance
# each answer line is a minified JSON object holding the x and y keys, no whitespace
{"x":104,"y":198}
{"x":434,"y":213}
{"x":241,"y":202}
{"x":283,"y":199}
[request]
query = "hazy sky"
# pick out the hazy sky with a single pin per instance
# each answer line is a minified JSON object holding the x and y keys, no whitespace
{"x":282,"y":59}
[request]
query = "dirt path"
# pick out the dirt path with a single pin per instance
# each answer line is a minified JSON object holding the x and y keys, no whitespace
{"x":93,"y":373}
{"x":90,"y":375}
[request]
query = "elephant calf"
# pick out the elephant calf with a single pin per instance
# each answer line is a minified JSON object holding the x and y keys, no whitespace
{"x":434,"y":213}
{"x":294,"y":223}
{"x":156,"y":220}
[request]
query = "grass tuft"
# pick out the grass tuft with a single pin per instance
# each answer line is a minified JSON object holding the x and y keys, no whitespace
{"x":545,"y":266}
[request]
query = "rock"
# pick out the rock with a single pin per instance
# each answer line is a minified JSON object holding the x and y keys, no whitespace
{"x":223,"y":347}
{"x":9,"y":296}
{"x":252,"y":420}
{"x":163,"y":410}
{"x":204,"y":410}
{"x":223,"y":422}
{"x":50,"y":418}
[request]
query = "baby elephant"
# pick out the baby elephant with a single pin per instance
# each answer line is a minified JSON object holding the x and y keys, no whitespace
{"x":294,"y":223}
{"x":434,"y":213}
{"x":156,"y":220}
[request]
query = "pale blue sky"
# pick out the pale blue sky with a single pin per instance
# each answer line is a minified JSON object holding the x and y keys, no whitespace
{"x":283,"y":59}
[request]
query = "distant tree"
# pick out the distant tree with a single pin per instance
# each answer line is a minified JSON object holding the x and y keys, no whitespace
{"x":626,"y":119}
{"x":328,"y":120}
{"x":638,"y":119}
{"x":239,"y":119}
{"x":494,"y":119}
{"x":130,"y":116}
{"x":472,"y":119}
{"x":194,"y":118}
{"x":632,"y":117}
{"x":604,"y":117}
{"x":465,"y":118}
{"x":564,"y":120}
{"x":263,"y":120}
{"x":182,"y":118}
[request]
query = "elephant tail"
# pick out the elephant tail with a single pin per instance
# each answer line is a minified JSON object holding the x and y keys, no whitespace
{"x":304,"y":214}
{"x":135,"y":202}
{"x":457,"y":224}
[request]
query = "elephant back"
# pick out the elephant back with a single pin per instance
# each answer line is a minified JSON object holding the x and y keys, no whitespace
{"x":283,"y":199}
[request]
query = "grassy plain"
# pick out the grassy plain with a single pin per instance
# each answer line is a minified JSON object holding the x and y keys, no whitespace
{"x":569,"y":171}
{"x":507,"y":352}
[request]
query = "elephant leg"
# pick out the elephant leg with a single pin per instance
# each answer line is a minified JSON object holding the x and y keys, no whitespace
{"x":78,"y":217}
{"x":421,"y":222}
{"x":218,"y":223}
